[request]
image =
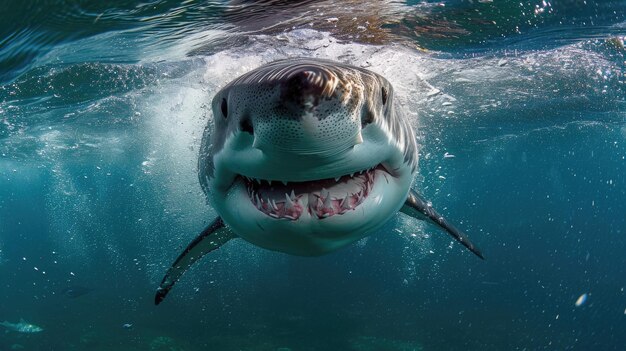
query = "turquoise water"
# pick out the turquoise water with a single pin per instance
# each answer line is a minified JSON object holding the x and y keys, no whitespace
{"x":102,"y":108}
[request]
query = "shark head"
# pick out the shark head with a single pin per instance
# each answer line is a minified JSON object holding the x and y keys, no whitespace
{"x":305,"y":156}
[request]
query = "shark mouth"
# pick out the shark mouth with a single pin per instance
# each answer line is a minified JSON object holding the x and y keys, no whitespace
{"x":320,"y":198}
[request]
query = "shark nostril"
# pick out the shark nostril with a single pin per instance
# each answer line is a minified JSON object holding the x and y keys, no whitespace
{"x":367,"y":117}
{"x":246,"y":126}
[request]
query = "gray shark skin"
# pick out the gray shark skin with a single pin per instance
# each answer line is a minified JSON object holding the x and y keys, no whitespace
{"x":305,"y":156}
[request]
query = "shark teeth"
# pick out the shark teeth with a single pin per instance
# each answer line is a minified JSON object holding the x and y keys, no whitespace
{"x":280,"y":199}
{"x":288,"y":203}
{"x":327,"y":202}
{"x":324,"y":193}
{"x":345,"y":203}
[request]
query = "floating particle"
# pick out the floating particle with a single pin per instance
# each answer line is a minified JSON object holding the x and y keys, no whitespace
{"x":447,"y":155}
{"x":581,"y":300}
{"x":433,"y":92}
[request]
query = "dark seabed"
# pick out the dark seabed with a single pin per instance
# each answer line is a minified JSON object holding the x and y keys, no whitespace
{"x":520,"y":108}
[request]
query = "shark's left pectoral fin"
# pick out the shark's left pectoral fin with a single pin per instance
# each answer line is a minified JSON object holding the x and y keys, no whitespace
{"x":211,"y":238}
{"x":417,"y":207}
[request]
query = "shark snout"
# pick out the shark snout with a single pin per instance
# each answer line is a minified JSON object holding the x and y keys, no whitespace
{"x":306,"y":88}
{"x":306,"y":136}
{"x":313,"y":109}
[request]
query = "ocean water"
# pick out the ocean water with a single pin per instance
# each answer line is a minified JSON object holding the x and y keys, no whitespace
{"x":520,"y":111}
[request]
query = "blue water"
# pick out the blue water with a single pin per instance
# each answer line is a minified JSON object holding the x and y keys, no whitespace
{"x":102,"y":107}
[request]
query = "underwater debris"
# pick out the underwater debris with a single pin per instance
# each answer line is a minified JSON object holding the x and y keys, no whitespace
{"x":581,"y":300}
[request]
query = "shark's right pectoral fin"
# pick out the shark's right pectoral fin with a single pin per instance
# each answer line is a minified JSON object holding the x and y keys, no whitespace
{"x":417,"y":207}
{"x":211,"y":238}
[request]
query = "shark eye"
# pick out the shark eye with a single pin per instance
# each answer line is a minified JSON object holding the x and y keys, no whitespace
{"x":385,"y":95}
{"x":224,"y":108}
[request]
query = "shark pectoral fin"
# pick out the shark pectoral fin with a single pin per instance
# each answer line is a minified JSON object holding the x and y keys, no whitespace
{"x":211,"y":238}
{"x":415,"y":206}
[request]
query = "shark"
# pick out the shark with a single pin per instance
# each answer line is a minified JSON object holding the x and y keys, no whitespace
{"x":305,"y":156}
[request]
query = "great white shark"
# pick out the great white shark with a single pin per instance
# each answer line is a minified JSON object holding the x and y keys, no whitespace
{"x":305,"y":156}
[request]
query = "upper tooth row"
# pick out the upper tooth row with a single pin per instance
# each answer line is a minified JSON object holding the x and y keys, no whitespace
{"x":263,"y":180}
{"x":260,"y":181}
